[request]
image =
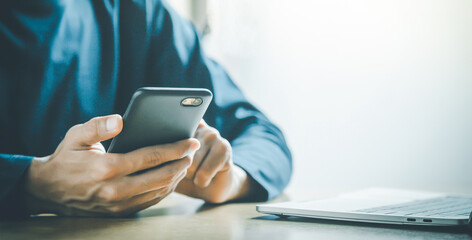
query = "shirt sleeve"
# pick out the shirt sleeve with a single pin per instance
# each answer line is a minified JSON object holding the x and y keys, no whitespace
{"x":258,"y":145}
{"x":12,"y":168}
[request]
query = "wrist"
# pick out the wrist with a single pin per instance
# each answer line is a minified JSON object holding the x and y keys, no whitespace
{"x":32,"y":203}
{"x":242,"y":184}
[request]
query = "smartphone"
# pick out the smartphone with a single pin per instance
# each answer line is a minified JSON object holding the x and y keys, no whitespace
{"x":161,"y":115}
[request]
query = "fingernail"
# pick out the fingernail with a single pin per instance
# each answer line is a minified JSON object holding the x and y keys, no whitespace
{"x":195,"y":145}
{"x":112,"y":124}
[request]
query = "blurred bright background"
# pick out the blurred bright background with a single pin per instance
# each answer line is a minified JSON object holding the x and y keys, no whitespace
{"x":368,"y":92}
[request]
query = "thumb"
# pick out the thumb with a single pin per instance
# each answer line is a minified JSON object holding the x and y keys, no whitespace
{"x":95,"y":130}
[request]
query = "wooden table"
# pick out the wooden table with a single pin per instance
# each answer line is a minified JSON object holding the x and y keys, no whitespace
{"x":179,"y":217}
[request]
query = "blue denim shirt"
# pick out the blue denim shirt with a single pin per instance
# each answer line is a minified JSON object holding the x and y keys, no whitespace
{"x":64,"y":62}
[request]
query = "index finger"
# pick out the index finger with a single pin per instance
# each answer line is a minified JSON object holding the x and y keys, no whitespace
{"x":202,"y":123}
{"x":153,"y":156}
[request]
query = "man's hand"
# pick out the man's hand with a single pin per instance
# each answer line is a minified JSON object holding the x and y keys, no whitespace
{"x":213,"y":177}
{"x":80,"y":178}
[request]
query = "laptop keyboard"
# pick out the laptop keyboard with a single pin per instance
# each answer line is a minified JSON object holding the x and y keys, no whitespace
{"x":436,"y":207}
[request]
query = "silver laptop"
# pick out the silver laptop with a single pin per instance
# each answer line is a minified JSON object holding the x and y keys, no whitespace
{"x":378,"y":205}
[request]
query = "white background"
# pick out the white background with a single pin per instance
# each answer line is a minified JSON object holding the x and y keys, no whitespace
{"x":368,"y":92}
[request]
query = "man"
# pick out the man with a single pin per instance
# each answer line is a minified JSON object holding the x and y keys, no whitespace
{"x":63,"y":63}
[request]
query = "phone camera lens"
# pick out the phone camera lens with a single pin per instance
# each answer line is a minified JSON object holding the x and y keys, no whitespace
{"x":192,"y":102}
{"x":197,"y":101}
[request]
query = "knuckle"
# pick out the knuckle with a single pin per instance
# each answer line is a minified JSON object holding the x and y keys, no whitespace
{"x":191,"y":169}
{"x":177,"y":177}
{"x":227,"y":165}
{"x":155,"y":157}
{"x":211,"y":136}
{"x":190,"y":173}
{"x":114,"y":159}
{"x":181,"y":149}
{"x":109,"y":193}
{"x":182,"y":164}
{"x":92,"y":129}
{"x":184,"y":173}
{"x":97,"y":172}
{"x":222,"y":148}
{"x":104,"y":170}
{"x":214,"y":131}
{"x":186,"y":162}
{"x":227,"y":145}
{"x":73,"y":132}
{"x":175,"y":169}
{"x":167,"y":191}
{"x":181,"y":152}
{"x":156,"y":194}
{"x":116,"y":209}
{"x":167,"y":180}
{"x":202,"y":174}
{"x":216,"y":198}
{"x":74,"y":129}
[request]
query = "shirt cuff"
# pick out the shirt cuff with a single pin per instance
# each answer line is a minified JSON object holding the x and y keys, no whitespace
{"x":12,"y":169}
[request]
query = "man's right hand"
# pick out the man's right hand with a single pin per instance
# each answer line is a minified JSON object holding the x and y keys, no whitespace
{"x":81,"y":179}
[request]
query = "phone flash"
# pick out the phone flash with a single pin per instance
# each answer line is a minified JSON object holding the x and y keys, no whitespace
{"x":192,"y":101}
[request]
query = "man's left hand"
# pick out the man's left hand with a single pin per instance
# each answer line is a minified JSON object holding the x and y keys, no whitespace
{"x":213,"y":176}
